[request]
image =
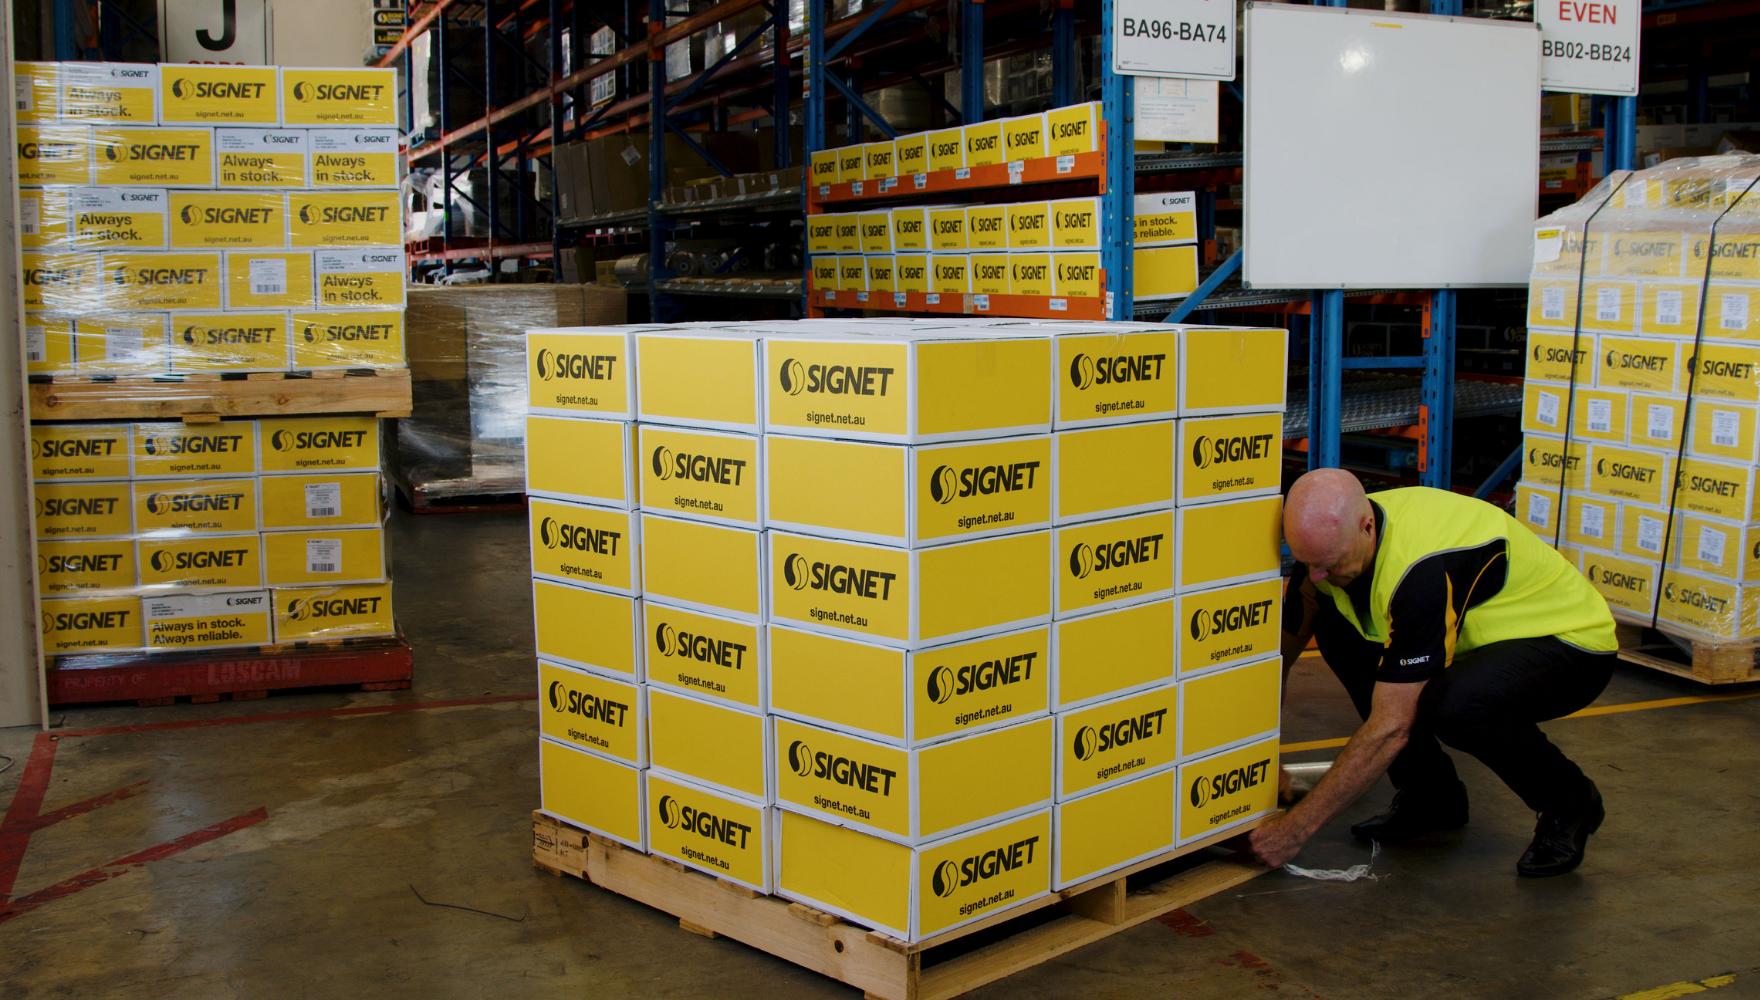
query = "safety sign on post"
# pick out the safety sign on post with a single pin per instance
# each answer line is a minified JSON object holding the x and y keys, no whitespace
{"x":1589,"y":47}
{"x":1174,"y":38}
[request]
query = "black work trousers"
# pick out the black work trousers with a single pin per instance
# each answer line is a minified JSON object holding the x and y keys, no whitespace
{"x":1486,"y":704}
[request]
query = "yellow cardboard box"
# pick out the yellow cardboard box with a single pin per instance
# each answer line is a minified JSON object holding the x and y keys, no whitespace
{"x":880,"y":273}
{"x":1713,"y":547}
{"x":906,"y":698}
{"x":874,"y":232}
{"x":1229,"y":625}
{"x":205,"y":220}
{"x":163,"y":280}
{"x":1114,"y":562}
{"x":947,"y":149}
{"x":1234,"y":541}
{"x":587,"y":461}
{"x":1645,"y":254}
{"x":117,"y":343}
{"x":701,"y":378}
{"x":593,"y":713}
{"x":592,"y":792}
{"x":728,"y":838}
{"x":1231,"y":370}
{"x":325,"y":219}
{"x":846,"y":233}
{"x":204,"y":621}
{"x":1224,"y":457}
{"x":913,"y":795}
{"x":910,"y":272}
{"x":360,"y":279}
{"x":909,"y":892}
{"x":821,"y":236}
{"x":1113,"y":828}
{"x":1643,"y":364}
{"x":1227,"y":789}
{"x":850,"y":160}
{"x":1717,"y":608}
{"x":70,"y":566}
{"x":347,"y":339}
{"x":592,"y":546}
{"x":949,"y":274}
{"x":825,"y":274}
{"x":914,"y":598}
{"x":1113,"y":652}
{"x":1536,"y":507}
{"x":947,"y":229}
{"x":983,"y":142}
{"x":354,"y":157}
{"x":359,"y":96}
{"x":1720,"y":489}
{"x":1166,"y":218}
{"x":54,"y":154}
{"x":1723,"y":430}
{"x":227,"y":448}
{"x":1112,"y":471}
{"x":1552,"y":302}
{"x":1642,"y":531}
{"x":709,"y":656}
{"x":1114,"y":377}
{"x":327,"y":556}
{"x":1725,"y":371}
{"x":852,"y":276}
{"x":232,"y":341}
{"x":218,"y":94}
{"x":1612,"y":305}
{"x":1550,"y":354}
{"x":81,"y":624}
{"x":263,"y":157}
{"x":581,"y":373}
{"x":720,"y":745}
{"x":1072,"y":129}
{"x":195,"y":506}
{"x":45,"y":217}
{"x":589,"y":629}
{"x":1544,"y":462}
{"x":1626,"y":584}
{"x":1029,"y":274}
{"x":81,"y":451}
{"x":1591,"y":521}
{"x":909,"y":228}
{"x":708,"y":567}
{"x":989,"y":273}
{"x":201,"y":561}
{"x":1120,"y":738}
{"x":325,"y":500}
{"x":908,"y":495}
{"x":1229,"y":707}
{"x":911,"y":154}
{"x":1629,"y":473}
{"x":114,"y":218}
{"x":319,"y":444}
{"x":1028,"y":225}
{"x":1075,"y":224}
{"x":822,"y":167}
{"x":987,"y":228}
{"x":1165,"y":272}
{"x":125,"y":155}
{"x":321,"y":613}
{"x":65,"y":280}
{"x":48,"y":343}
{"x":702,"y":475}
{"x":877,"y":161}
{"x":82,"y":509}
{"x":269,"y":279}
{"x":1023,"y":138}
{"x":37,"y":91}
{"x":1670,"y":309}
{"x":909,"y":387}
{"x":1731,"y":312}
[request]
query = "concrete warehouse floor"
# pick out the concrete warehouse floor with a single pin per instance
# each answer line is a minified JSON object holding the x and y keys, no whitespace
{"x":318,"y":897}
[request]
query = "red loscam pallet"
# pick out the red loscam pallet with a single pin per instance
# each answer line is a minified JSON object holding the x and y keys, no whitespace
{"x":382,"y":663}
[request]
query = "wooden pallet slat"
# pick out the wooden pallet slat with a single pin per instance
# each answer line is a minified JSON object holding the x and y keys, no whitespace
{"x":383,"y":392}
{"x":881,"y":966}
{"x":1711,"y":661}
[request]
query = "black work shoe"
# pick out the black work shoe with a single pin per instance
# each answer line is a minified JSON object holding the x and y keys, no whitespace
{"x":1412,"y":815}
{"x":1559,"y":838}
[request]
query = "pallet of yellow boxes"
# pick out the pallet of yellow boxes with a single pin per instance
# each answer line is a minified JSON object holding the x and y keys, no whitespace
{"x":1639,"y":415}
{"x":914,"y":624}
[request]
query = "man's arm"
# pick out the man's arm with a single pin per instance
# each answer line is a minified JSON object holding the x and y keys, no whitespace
{"x":1362,"y":762}
{"x":1301,"y":603}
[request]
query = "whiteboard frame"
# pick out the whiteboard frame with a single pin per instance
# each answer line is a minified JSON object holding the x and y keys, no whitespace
{"x":1350,"y":193}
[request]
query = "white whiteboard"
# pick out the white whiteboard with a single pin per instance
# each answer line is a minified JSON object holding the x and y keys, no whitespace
{"x":1389,"y":150}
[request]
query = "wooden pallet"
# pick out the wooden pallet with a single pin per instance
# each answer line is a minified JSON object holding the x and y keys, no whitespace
{"x":944,"y":965}
{"x":377,"y":663}
{"x":1712,"y":661}
{"x":420,"y":500}
{"x":203,"y":398}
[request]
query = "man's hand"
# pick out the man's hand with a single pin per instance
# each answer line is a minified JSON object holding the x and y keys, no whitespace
{"x":1279,"y":838}
{"x":1286,"y":789}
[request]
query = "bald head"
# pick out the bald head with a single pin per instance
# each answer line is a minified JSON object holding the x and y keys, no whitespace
{"x":1329,"y":524}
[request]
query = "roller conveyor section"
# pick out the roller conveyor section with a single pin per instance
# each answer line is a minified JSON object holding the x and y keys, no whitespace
{"x":1372,"y":400}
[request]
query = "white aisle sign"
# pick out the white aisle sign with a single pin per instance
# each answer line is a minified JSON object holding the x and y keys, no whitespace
{"x":1589,"y":47}
{"x":215,"y":31}
{"x":1186,"y":38}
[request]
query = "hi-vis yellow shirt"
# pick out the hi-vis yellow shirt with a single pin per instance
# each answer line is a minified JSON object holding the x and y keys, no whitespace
{"x":1452,"y":573}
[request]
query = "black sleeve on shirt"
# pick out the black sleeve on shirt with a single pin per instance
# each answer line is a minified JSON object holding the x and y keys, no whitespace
{"x":1418,"y":626}
{"x":1300,"y":603}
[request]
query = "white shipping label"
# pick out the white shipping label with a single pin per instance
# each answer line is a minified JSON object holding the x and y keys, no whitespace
{"x":1539,"y":509}
{"x":323,"y":500}
{"x":352,"y":140}
{"x":1735,"y":311}
{"x":1607,"y":305}
{"x":376,"y":261}
{"x":22,"y":97}
{"x":36,"y":344}
{"x":1552,"y":303}
{"x":197,"y":605}
{"x":124,"y":342}
{"x":1668,"y":308}
{"x":630,"y":155}
{"x":1660,"y":422}
{"x":1650,"y":533}
{"x":260,"y":140}
{"x":323,"y":555}
{"x":1637,"y":193}
{"x":1548,"y":244}
{"x":1726,"y":428}
{"x":1546,"y":411}
{"x":1601,"y":415}
{"x":30,"y":216}
{"x":116,"y":199}
{"x":1593,"y":520}
{"x":268,"y":275}
{"x":1711,"y":545}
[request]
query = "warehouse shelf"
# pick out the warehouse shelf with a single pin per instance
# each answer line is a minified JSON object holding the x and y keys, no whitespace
{"x":734,"y":287}
{"x":1376,"y":400}
{"x":1039,"y":170}
{"x":1166,"y":163}
{"x":957,"y":304}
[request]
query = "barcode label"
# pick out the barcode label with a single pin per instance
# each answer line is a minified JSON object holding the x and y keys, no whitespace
{"x":1668,"y":308}
{"x":1726,"y":428}
{"x":1546,"y":410}
{"x":123,"y":342}
{"x":1735,"y":312}
{"x":268,"y":276}
{"x":1552,"y":303}
{"x":1650,"y":533}
{"x":1660,"y":424}
{"x":23,"y":98}
{"x":323,"y":499}
{"x":1601,"y":415}
{"x":36,"y":344}
{"x":323,"y":555}
{"x":30,"y":216}
{"x":1711,"y":546}
{"x":1607,"y":305}
{"x":1539,"y":509}
{"x":1592,"y":520}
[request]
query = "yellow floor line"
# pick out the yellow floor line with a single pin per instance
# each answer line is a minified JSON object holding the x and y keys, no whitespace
{"x":1633,"y":706}
{"x":1673,"y":990}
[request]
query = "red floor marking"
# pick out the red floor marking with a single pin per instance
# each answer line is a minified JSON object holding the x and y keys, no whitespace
{"x":81,"y":808}
{"x":122,"y":866}
{"x":1251,"y":961}
{"x":1185,"y":925}
{"x":325,"y":713}
{"x":21,"y":815}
